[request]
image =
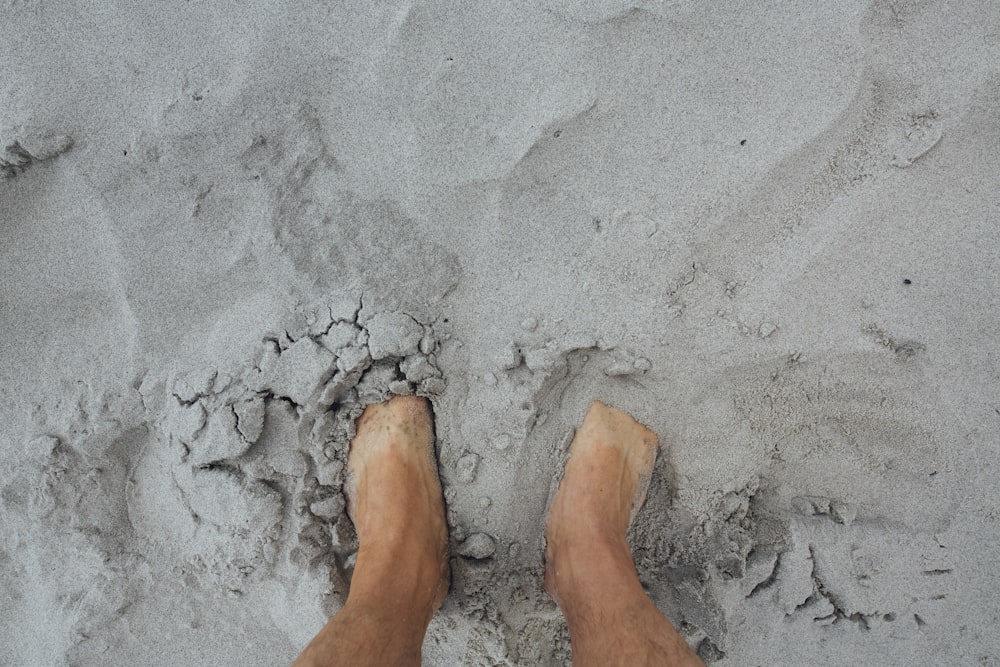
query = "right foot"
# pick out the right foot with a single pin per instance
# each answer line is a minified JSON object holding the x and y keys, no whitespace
{"x":610,"y":461}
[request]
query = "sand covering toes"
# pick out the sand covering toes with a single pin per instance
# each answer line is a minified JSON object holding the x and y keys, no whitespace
{"x":641,"y":485}
{"x":351,"y":483}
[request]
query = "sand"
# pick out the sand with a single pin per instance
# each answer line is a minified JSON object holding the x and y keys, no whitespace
{"x":769,"y":231}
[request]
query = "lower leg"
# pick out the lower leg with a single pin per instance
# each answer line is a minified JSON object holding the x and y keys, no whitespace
{"x":366,"y":637}
{"x":401,"y":573}
{"x":589,"y":568}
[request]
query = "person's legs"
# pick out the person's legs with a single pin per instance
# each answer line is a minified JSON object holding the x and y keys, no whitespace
{"x":401,"y":573}
{"x":588,"y":564}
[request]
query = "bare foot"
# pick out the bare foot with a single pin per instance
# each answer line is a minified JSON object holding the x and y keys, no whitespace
{"x":610,"y":461}
{"x":588,"y":565}
{"x":394,"y":496}
{"x":401,"y":573}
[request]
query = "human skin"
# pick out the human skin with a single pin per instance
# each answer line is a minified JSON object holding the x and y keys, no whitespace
{"x":588,"y":564}
{"x":401,"y":573}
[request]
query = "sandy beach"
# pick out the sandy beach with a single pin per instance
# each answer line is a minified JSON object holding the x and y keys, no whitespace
{"x":770,"y":231}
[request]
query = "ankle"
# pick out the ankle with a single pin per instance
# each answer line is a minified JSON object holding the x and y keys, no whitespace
{"x":409,"y":574}
{"x":578,"y":570}
{"x":371,"y":634}
{"x":395,"y":532}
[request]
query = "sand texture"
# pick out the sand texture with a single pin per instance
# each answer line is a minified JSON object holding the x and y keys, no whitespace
{"x":769,"y":231}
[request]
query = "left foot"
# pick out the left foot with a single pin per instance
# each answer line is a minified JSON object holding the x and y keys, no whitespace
{"x":394,"y":495}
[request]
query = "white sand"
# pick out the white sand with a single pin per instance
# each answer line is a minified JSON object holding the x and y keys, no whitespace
{"x":772,"y":234}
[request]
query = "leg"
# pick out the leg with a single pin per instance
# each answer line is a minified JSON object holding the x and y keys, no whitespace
{"x":588,"y":565}
{"x":401,"y":574}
